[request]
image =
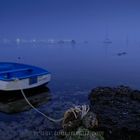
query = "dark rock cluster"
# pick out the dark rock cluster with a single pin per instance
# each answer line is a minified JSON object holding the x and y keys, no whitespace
{"x":76,"y":127}
{"x":118,"y":112}
{"x":71,"y":123}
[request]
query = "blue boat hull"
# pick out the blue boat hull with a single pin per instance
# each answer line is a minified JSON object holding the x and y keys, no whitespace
{"x":15,"y":76}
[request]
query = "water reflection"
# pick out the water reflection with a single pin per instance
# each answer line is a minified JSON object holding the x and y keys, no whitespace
{"x":13,"y":102}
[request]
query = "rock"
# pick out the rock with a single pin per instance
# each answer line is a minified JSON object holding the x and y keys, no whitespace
{"x":70,"y":122}
{"x":118,"y":111}
{"x":61,"y":134}
{"x":84,"y":134}
{"x":90,"y":121}
{"x":136,"y":95}
{"x":78,"y":123}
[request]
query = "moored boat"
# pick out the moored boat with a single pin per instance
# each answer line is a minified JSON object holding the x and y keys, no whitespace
{"x":16,"y":76}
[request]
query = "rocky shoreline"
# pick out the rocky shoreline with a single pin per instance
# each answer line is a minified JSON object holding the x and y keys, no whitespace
{"x":114,"y":114}
{"x":118,"y":111}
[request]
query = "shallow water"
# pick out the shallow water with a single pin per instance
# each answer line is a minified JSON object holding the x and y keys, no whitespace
{"x":76,"y":69}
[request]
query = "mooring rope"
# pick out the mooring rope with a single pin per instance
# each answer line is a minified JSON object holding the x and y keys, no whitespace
{"x":43,"y":114}
{"x":84,"y":109}
{"x":49,"y":118}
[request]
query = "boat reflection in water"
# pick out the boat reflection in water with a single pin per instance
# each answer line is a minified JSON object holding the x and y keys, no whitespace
{"x":14,"y":102}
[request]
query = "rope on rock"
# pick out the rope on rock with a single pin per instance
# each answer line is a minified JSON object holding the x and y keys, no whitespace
{"x":84,"y":109}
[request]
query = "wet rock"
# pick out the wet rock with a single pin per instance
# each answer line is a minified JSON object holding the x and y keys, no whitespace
{"x":84,"y":134}
{"x":90,"y":121}
{"x":73,"y":117}
{"x":78,"y":124}
{"x":70,"y":121}
{"x":118,"y":111}
{"x":136,"y":95}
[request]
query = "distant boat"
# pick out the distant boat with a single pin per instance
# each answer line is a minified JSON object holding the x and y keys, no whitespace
{"x":73,"y":42}
{"x":121,"y":53}
{"x":61,"y":42}
{"x":124,"y":52}
{"x":107,"y":41}
{"x":15,"y":76}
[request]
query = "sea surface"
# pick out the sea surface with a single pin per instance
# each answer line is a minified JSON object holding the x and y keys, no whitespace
{"x":76,"y":69}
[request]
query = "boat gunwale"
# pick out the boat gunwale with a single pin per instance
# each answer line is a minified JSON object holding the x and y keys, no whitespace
{"x":40,"y":72}
{"x":24,"y":77}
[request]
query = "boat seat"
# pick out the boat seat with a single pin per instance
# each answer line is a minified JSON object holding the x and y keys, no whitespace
{"x":16,"y":70}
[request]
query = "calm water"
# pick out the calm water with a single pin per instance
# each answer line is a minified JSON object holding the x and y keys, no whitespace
{"x":76,"y":69}
{"x":82,"y":66}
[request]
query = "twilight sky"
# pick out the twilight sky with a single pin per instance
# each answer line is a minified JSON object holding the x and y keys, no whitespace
{"x":70,"y":19}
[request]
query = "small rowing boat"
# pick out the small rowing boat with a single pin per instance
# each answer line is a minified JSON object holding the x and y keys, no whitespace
{"x":16,"y":76}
